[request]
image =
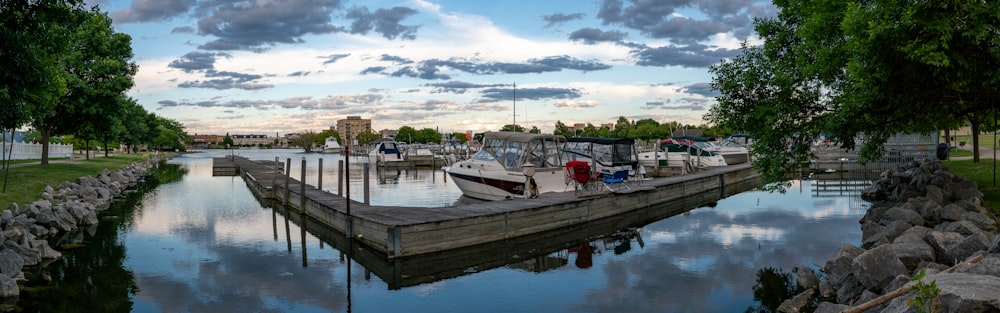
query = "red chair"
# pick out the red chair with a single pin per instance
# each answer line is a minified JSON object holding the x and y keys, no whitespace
{"x":581,"y":176}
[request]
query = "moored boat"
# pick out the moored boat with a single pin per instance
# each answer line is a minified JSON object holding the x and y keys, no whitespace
{"x":332,"y":146}
{"x":511,"y":165}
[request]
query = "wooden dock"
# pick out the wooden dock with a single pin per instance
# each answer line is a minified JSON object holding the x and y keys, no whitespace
{"x":398,"y":232}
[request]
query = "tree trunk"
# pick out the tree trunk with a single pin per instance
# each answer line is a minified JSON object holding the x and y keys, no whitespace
{"x":105,"y":149}
{"x":974,"y":122}
{"x":46,"y":133}
{"x":947,"y":137}
{"x":87,"y":153}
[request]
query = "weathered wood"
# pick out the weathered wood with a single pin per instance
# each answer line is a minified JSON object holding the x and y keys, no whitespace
{"x":431,"y":230}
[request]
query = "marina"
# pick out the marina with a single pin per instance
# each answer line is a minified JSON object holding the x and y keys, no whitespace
{"x":400,"y":231}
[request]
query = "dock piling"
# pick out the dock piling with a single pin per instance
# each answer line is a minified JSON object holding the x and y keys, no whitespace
{"x":288,"y":173}
{"x":274,"y":178}
{"x":340,"y":178}
{"x":367,"y":197}
{"x":319,"y":182}
{"x":302,"y":187}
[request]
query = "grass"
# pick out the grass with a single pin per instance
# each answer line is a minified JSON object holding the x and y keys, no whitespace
{"x":25,"y":184}
{"x":986,"y":140}
{"x":982,"y":173}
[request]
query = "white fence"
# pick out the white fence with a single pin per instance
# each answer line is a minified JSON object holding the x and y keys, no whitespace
{"x":33,"y":151}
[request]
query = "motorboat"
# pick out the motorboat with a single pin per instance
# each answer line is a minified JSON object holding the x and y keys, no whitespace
{"x":386,"y":151}
{"x":332,"y":146}
{"x":733,"y":149}
{"x":420,"y":155}
{"x":511,"y":165}
{"x":605,"y":155}
{"x":684,"y":152}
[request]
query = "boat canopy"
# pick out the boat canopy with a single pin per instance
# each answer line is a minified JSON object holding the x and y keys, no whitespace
{"x":606,"y":151}
{"x":513,"y":149}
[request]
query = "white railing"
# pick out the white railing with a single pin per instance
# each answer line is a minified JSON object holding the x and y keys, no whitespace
{"x":33,"y":151}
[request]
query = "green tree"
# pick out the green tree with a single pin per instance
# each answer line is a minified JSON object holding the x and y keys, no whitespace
{"x":134,"y":130}
{"x":512,"y":128}
{"x":460,"y":137}
{"x":406,"y":134}
{"x":227,"y":141}
{"x":535,"y":130}
{"x":366,"y":138}
{"x":321,"y":136}
{"x":428,"y":135}
{"x":307,"y":140}
{"x":562,"y":129}
{"x":169,"y":135}
{"x":622,"y":128}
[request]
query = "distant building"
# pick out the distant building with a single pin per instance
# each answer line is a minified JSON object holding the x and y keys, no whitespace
{"x":251,"y":140}
{"x":388,"y":133}
{"x":354,"y":124}
{"x":203,"y":141}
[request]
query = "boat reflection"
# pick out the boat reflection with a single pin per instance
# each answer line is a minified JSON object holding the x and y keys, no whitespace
{"x":539,"y":253}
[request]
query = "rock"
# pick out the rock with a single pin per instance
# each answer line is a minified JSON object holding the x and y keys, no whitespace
{"x":966,"y":190}
{"x":30,"y":256}
{"x":46,"y":252}
{"x":46,"y":196}
{"x":943,"y":242}
{"x":849,"y":289}
{"x":961,"y":292}
{"x":84,"y":216}
{"x":900,"y":213}
{"x":981,"y":220}
{"x":839,"y":265}
{"x":103,"y":193}
{"x":797,"y":303}
{"x":897,"y":282}
{"x":8,"y":287}
{"x":995,"y":246}
{"x":829,"y":307}
{"x":967,"y":247}
{"x":948,"y":213}
{"x":936,"y":194}
{"x":989,"y":265}
{"x":886,"y":234}
{"x":826,"y":291}
{"x":805,"y":278}
{"x":965,"y":228}
{"x":11,"y":263}
{"x":877,"y":267}
{"x":911,"y":249}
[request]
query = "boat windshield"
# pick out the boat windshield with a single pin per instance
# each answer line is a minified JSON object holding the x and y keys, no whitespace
{"x":514,"y":154}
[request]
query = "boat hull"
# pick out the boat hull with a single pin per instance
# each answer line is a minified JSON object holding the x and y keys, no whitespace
{"x":501,"y":185}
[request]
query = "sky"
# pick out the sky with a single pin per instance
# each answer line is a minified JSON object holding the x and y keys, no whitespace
{"x":278,"y":67}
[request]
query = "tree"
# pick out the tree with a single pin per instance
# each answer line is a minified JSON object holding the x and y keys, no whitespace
{"x":93,"y":62}
{"x":535,"y":130}
{"x":858,"y":73}
{"x":562,"y":129}
{"x":512,"y":128}
{"x":134,"y":130}
{"x":406,"y":134}
{"x":428,"y":135}
{"x":227,"y":141}
{"x":622,"y":128}
{"x":170,"y":134}
{"x":366,"y":138}
{"x":306,"y":140}
{"x":460,"y":137}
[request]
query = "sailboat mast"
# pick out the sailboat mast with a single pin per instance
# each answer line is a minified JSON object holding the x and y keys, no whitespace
{"x":514,"y":127}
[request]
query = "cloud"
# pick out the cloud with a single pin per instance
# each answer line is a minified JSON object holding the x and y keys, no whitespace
{"x":256,"y":26}
{"x":334,"y":58}
{"x":182,"y":30}
{"x":395,"y":59}
{"x":299,"y":74}
{"x":703,"y":89}
{"x":458,"y":87}
{"x":593,"y":35}
{"x":223,"y":84}
{"x":196,"y":61}
{"x":559,"y":18}
{"x":685,"y":104}
{"x":540,"y":93}
{"x":382,"y":21}
{"x":152,"y":11}
{"x":662,"y":20}
{"x":333,"y":102}
{"x":432,"y":69}
{"x":692,"y":56}
{"x":576,"y":104}
{"x":429,"y":105}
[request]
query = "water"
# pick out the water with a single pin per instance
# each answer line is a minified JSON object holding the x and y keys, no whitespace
{"x":199,"y":243}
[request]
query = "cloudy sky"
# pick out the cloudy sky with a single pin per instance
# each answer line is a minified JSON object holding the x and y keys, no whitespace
{"x":273,"y":66}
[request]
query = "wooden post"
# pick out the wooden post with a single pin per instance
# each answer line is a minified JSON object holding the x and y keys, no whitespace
{"x":349,"y":227}
{"x":319,"y":182}
{"x":302,"y":188}
{"x":288,"y":173}
{"x":274,"y":178}
{"x":367,"y":197}
{"x":340,"y":178}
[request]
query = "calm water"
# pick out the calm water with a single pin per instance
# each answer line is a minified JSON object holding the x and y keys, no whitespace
{"x":198,"y":243}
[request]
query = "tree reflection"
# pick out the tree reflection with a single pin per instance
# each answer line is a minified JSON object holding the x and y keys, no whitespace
{"x":93,"y":277}
{"x":773,"y":287}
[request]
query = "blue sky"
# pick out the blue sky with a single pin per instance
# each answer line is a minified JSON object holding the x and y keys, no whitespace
{"x":270,"y":66}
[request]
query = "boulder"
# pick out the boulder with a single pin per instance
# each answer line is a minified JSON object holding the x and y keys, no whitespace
{"x":966,"y":190}
{"x":839,"y":265}
{"x":44,"y":250}
{"x":849,"y":289}
{"x":949,"y":213}
{"x":911,"y":249}
{"x":936,"y":194}
{"x":884,"y":234}
{"x":8,"y":287}
{"x":875,"y":268}
{"x":981,"y":220}
{"x":829,"y":307}
{"x":805,"y":278}
{"x":30,"y":256}
{"x":797,"y":303}
{"x":990,"y":265}
{"x":963,"y":227}
{"x":11,"y":263}
{"x":826,"y":291}
{"x":967,"y":247}
{"x":961,"y":292}
{"x":943,"y":242}
{"x":995,"y":246}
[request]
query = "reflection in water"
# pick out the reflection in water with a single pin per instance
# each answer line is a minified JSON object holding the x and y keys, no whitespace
{"x":773,"y":286}
{"x":204,"y":244}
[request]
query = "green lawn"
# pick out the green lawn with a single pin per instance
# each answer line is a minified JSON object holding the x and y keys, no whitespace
{"x":982,"y":173}
{"x":25,"y":184}
{"x":985,"y":140}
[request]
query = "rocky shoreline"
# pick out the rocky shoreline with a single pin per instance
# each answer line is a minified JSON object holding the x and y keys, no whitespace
{"x":923,"y":219}
{"x":63,"y":210}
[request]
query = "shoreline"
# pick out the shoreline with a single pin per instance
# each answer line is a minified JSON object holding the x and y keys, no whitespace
{"x":61,"y":211}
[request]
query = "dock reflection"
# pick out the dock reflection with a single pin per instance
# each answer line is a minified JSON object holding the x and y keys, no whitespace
{"x":536,"y":253}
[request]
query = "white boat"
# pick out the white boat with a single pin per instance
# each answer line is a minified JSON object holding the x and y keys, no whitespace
{"x":512,"y":165}
{"x":733,"y":149}
{"x":420,"y":155}
{"x":605,"y":155}
{"x":332,"y":146}
{"x":386,"y":152}
{"x":682,"y":151}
